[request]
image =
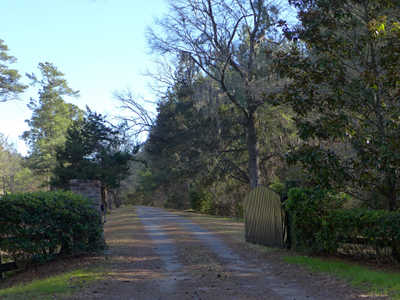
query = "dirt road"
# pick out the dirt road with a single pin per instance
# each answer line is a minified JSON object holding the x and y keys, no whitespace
{"x":156,"y":254}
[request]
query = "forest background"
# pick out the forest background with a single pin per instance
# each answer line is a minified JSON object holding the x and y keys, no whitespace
{"x":244,"y":98}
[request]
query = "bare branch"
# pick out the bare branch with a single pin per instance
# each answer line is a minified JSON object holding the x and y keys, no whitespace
{"x":138,"y":119}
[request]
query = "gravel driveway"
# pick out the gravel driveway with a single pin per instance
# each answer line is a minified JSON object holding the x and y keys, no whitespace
{"x":158,"y":254}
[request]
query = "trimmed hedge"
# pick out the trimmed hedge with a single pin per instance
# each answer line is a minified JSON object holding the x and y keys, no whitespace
{"x":319,"y":226}
{"x":307,"y":208}
{"x":37,"y":226}
{"x":378,"y":229}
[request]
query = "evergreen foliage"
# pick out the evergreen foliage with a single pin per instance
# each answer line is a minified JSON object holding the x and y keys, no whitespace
{"x":15,"y":175}
{"x":38,"y":226}
{"x":234,"y":43}
{"x":93,"y":150}
{"x":319,"y":224}
{"x":51,"y":118}
{"x":10,"y":85}
{"x":345,"y":91}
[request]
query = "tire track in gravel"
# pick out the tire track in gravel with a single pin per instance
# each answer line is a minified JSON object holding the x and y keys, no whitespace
{"x":230,"y":262}
{"x":164,"y":247}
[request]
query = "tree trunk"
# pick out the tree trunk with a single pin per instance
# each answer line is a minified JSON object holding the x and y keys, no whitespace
{"x":104,"y":199}
{"x":4,"y":185}
{"x":12,"y":183}
{"x":117,"y":200}
{"x":393,"y":201}
{"x":391,"y":190}
{"x":110,"y":199}
{"x":252,"y":148}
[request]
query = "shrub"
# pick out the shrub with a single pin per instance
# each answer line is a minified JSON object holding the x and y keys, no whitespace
{"x":283,"y":188}
{"x":377,"y":229}
{"x":37,"y":226}
{"x":207,"y":205}
{"x":319,"y":225}
{"x":307,"y":209}
{"x":278,"y":187}
{"x":202,"y":201}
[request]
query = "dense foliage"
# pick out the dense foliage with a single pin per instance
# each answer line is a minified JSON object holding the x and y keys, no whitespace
{"x":344,"y":88}
{"x":198,"y":143}
{"x":250,"y":99}
{"x":234,"y":44}
{"x":378,"y":229}
{"x":37,"y":226}
{"x":93,"y":150}
{"x":15,"y":175}
{"x":51,"y":118}
{"x":318,"y":224}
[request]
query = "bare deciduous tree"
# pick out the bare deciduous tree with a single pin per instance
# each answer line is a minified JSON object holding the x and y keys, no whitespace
{"x":233,"y":42}
{"x":138,"y":119}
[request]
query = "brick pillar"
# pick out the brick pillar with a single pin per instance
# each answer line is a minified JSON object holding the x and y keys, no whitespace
{"x":90,"y":189}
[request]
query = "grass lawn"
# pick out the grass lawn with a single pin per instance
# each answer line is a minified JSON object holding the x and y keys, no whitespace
{"x":57,"y":285}
{"x":372,"y":281}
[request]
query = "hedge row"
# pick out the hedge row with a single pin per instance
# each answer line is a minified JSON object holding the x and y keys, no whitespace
{"x":318,"y":225}
{"x":37,"y":226}
{"x":376,"y":228}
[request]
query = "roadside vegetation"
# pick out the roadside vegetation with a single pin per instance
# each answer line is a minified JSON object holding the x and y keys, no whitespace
{"x":37,"y":227}
{"x":53,"y":286}
{"x":373,"y":281}
{"x":366,"y":275}
{"x":302,"y":98}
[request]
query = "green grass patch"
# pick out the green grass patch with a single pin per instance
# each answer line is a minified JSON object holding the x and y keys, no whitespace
{"x":59,"y":285}
{"x":373,"y":281}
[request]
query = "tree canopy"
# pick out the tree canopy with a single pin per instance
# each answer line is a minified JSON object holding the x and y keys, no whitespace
{"x":345,"y":91}
{"x":95,"y":150}
{"x":51,"y":117}
{"x":15,"y":176}
{"x":249,"y":99}
{"x":233,"y":43}
{"x":10,"y":85}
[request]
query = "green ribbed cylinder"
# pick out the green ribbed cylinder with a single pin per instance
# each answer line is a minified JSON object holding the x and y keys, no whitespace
{"x":264,"y":218}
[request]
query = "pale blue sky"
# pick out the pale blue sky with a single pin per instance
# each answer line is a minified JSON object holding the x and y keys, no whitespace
{"x":99,"y":44}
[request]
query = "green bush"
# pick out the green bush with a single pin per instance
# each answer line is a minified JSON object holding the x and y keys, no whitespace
{"x":375,"y":228}
{"x":37,"y":226}
{"x":207,"y":205}
{"x":202,"y":201}
{"x":283,"y":188}
{"x":319,"y":225}
{"x":307,"y":209}
{"x":278,"y":187}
